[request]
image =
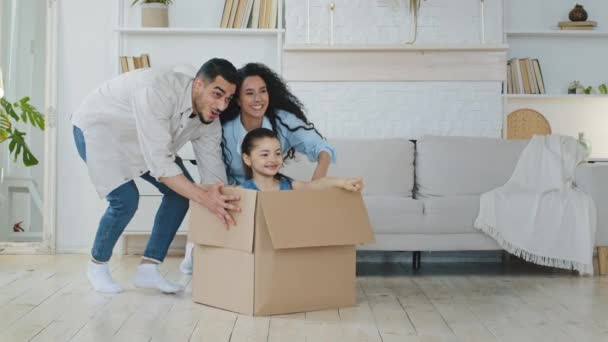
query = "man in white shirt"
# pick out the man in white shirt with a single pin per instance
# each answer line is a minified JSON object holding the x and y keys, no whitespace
{"x":132,"y":126}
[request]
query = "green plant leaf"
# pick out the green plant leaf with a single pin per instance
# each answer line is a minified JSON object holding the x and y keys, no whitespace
{"x":30,"y":113}
{"x":588,"y":90}
{"x":8,"y":107}
{"x":28,"y":157}
{"x":603,"y":89}
{"x":11,"y":145}
{"x":5,"y":126}
{"x":18,"y":145}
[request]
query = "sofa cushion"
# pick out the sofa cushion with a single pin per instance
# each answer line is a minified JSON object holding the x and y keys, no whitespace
{"x":450,"y":215}
{"x":448,"y":166}
{"x":386,"y":165}
{"x":391,"y":214}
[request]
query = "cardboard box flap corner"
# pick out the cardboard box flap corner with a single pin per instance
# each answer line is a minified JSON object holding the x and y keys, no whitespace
{"x":204,"y":228}
{"x":308,"y":218}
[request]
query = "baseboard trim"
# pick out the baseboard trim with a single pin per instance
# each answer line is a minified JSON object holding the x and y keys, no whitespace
{"x":74,"y":250}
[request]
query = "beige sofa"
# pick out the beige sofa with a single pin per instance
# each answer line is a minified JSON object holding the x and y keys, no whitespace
{"x":424,"y":196}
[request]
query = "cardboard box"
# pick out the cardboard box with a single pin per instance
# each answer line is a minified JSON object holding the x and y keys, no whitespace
{"x":291,"y":251}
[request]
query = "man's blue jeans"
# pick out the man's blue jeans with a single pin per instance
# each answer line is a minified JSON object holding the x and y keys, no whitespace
{"x":122,"y":205}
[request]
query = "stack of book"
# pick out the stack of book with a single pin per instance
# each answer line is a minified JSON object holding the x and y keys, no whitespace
{"x":130,"y":63}
{"x":524,"y":76}
{"x":258,"y":14}
{"x":577,"y":25}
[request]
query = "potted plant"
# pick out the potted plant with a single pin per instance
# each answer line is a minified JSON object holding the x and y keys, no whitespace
{"x":154,"y":13}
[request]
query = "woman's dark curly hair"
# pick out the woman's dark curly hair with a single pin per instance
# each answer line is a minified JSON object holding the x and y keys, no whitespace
{"x":280,"y":98}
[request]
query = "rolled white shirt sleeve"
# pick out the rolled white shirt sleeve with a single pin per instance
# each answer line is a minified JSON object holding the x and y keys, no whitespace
{"x":208,"y":154}
{"x":152,"y":110}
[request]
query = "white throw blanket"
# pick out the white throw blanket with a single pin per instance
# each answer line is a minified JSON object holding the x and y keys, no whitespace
{"x":539,"y":214}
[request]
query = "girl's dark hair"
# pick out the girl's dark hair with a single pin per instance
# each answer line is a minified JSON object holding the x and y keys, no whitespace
{"x":280,"y":98}
{"x":249,"y":143}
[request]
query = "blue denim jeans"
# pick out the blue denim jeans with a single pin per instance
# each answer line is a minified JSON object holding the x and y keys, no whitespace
{"x":122,"y":205}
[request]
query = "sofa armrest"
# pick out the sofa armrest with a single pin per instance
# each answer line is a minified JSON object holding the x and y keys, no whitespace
{"x":593,"y":179}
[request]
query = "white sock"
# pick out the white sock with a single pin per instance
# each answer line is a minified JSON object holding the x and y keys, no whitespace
{"x":148,"y":277}
{"x":186,"y":265}
{"x":100,"y":278}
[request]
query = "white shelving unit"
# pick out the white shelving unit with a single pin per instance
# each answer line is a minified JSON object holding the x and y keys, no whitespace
{"x":565,"y":56}
{"x":190,"y":46}
{"x":176,"y":45}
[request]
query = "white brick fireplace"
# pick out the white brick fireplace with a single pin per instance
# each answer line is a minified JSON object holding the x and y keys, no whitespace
{"x":371,"y":84}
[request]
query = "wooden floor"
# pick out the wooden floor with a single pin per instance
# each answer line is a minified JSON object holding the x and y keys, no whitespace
{"x":47,"y":298}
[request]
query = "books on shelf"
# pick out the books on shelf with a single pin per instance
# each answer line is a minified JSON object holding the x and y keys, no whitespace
{"x":577,"y":25}
{"x":524,"y":76}
{"x":130,"y":63}
{"x":257,"y":14}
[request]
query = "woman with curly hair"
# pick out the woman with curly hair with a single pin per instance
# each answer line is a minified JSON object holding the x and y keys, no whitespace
{"x":263,"y":100}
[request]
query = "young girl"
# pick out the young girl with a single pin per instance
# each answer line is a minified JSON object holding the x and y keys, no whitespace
{"x":262,"y":160}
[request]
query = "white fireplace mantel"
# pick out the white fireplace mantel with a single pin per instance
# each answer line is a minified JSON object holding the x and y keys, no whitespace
{"x":418,"y":62}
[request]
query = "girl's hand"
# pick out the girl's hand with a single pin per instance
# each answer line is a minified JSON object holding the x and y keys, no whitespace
{"x":353,"y":184}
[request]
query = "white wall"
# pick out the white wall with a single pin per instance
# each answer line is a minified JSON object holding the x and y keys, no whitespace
{"x":185,"y":13}
{"x":86,"y":53}
{"x":545,"y":14}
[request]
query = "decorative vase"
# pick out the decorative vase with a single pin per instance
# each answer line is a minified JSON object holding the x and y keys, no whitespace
{"x":578,"y":13}
{"x":154,"y":15}
{"x":585,"y":143}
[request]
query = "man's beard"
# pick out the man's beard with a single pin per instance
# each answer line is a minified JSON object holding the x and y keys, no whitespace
{"x":202,"y":118}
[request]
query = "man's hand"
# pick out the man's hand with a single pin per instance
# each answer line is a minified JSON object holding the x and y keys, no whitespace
{"x":209,"y":196}
{"x":219,"y":204}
